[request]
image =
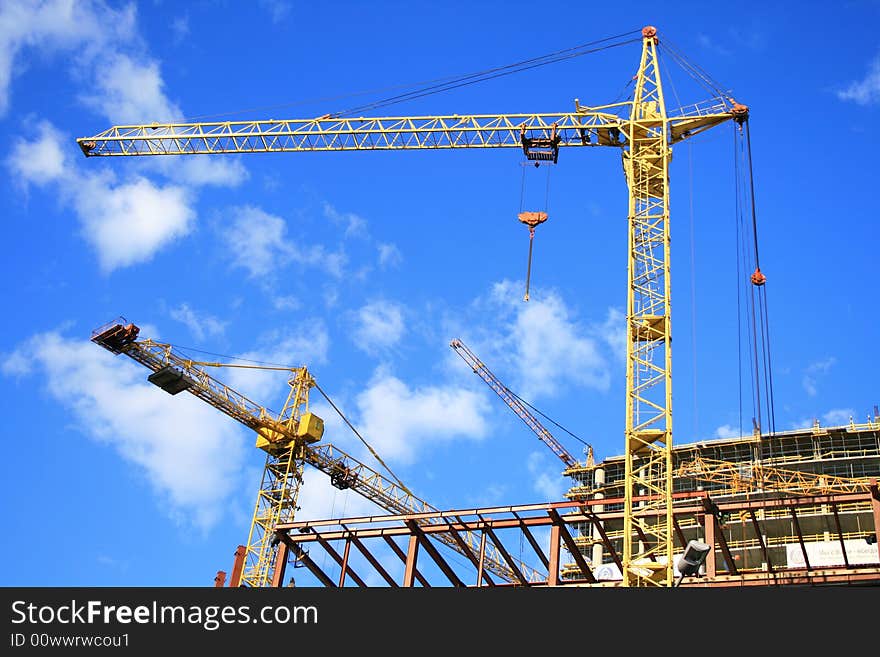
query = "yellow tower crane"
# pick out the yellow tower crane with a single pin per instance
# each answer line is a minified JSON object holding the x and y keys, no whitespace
{"x":290,"y":439}
{"x":642,"y":130}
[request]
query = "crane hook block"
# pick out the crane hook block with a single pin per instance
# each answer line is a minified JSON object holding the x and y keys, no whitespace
{"x":532,"y":219}
{"x":758,"y":278}
{"x":541,"y":148}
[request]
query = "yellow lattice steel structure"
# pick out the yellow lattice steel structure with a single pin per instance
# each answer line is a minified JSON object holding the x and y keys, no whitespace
{"x":290,"y":439}
{"x":755,"y":476}
{"x":644,"y":132}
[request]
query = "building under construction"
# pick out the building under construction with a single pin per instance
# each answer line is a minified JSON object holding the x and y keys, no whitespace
{"x":795,"y":508}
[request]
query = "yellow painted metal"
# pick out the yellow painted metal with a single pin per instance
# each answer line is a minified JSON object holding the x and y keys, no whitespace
{"x":586,"y":126}
{"x":291,"y":444}
{"x":644,"y":132}
{"x":756,"y":476}
{"x":648,"y":540}
{"x":280,"y":485}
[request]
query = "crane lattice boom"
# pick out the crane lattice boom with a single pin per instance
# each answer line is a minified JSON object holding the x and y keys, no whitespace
{"x":288,"y":446}
{"x":514,"y":402}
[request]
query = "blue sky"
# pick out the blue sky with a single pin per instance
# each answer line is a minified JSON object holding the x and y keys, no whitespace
{"x":363,"y":266}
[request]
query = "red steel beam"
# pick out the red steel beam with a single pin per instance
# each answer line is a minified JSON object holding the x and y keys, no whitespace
{"x":306,"y":560}
{"x":553,"y":568}
{"x":709,"y":508}
{"x":615,"y":557}
{"x":711,"y":562}
{"x":237,"y":566}
{"x":531,"y":539}
{"x":798,"y":577}
{"x":840,"y":535}
{"x":220,"y":579}
{"x":760,"y":536}
{"x":774,"y":503}
{"x":466,"y":550}
{"x":570,"y":545}
{"x":412,"y":556}
{"x":281,"y":557}
{"x":435,"y":555}
{"x":875,"y":508}
{"x":374,"y":562}
{"x":400,"y":553}
{"x":506,"y":555}
{"x":342,"y":563}
{"x":800,"y":535}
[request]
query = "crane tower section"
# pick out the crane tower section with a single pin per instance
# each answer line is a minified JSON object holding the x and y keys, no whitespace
{"x":648,"y":437}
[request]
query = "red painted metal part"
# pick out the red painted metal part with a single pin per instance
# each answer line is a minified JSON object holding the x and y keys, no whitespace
{"x":558,"y":517}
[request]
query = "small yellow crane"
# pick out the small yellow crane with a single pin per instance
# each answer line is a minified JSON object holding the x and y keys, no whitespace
{"x":291,"y":439}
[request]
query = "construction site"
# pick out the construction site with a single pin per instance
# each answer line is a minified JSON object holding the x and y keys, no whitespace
{"x":773,"y":508}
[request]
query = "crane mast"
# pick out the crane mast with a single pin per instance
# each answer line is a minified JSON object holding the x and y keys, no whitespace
{"x":289,"y":439}
{"x":642,"y":129}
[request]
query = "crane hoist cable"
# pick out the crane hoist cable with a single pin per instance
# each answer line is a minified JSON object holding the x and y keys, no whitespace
{"x":361,"y":438}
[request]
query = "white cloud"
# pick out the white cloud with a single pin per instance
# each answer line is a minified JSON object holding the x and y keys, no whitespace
{"x":838,"y":417}
{"x":727,"y":431}
{"x":128,"y":91}
{"x":278,"y":9}
{"x":613,"y":332}
{"x":84,"y":27}
{"x":201,"y":170}
{"x":288,"y":302}
{"x":867,"y":90}
{"x":355,"y":225}
{"x":399,"y":421}
{"x":129,"y":222}
{"x":542,"y":343}
{"x":200,"y":325}
{"x":548,"y":482}
{"x":379,"y":325}
{"x":258,"y":243}
{"x":389,"y":255}
{"x":126,"y":223}
{"x":711,"y":44}
{"x":41,"y":160}
{"x":319,"y":500}
{"x":257,"y":240}
{"x":294,"y":348}
{"x":180,"y":28}
{"x":190,"y":453}
{"x":813,"y":372}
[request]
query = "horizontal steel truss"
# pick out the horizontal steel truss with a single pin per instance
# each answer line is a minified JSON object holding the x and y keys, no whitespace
{"x":586,"y":127}
{"x":418,"y":530}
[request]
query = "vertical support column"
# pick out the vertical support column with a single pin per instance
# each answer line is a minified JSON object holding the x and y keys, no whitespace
{"x":598,"y":551}
{"x":220,"y":579}
{"x":709,"y":533}
{"x":237,"y":566}
{"x":344,"y":563}
{"x":482,"y":558}
{"x":553,"y":569}
{"x":412,"y":555}
{"x":281,"y":556}
{"x":875,"y":508}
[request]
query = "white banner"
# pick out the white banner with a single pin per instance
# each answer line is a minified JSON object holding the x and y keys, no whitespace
{"x":829,"y":553}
